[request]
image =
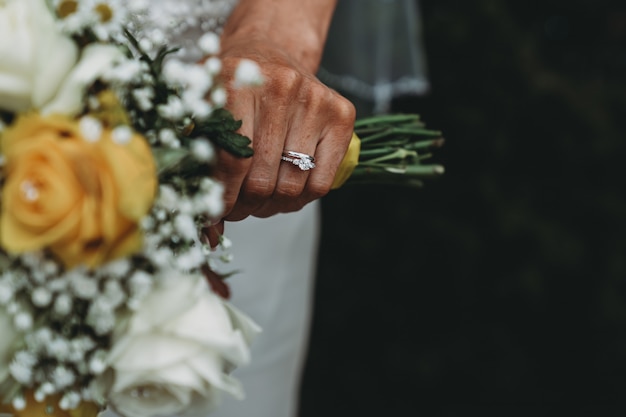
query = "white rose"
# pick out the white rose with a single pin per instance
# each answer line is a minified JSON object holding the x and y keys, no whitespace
{"x":174,"y":354}
{"x":35,"y":57}
{"x":9,"y":334}
{"x":95,"y":61}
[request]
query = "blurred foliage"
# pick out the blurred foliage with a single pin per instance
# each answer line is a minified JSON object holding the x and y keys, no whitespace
{"x":501,"y":286}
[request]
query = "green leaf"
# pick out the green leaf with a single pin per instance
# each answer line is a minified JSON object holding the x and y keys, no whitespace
{"x":220,"y":128}
{"x":169,"y":159}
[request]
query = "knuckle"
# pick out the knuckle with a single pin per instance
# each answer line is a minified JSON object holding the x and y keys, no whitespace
{"x":315,"y":95}
{"x":258,"y":188}
{"x":230,"y":168}
{"x":317,"y":189}
{"x":345,"y":110}
{"x":289,"y":190}
{"x":285,"y":81}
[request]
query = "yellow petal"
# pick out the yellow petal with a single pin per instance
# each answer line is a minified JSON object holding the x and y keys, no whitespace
{"x":349,"y":162}
{"x":134,"y":170}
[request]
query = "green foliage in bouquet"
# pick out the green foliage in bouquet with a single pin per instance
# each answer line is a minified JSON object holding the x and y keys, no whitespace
{"x":220,"y":126}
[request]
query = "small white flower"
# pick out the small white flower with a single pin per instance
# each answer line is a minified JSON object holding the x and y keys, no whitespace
{"x":166,"y":230}
{"x":21,"y":368}
{"x":186,"y":227}
{"x":97,"y":363}
{"x":50,"y":267}
{"x":63,"y":377}
{"x":202,"y":149}
{"x":70,"y":400}
{"x":209,"y":43}
{"x":101,"y":316}
{"x":36,"y":275}
{"x":160,"y":215}
{"x":174,"y":72}
{"x":122,"y":134}
{"x":213,"y":65}
{"x":227,"y":257}
{"x":248,"y":73}
{"x":173,"y":110}
{"x":59,"y":348}
{"x":18,"y":402}
{"x":185,"y":206}
{"x":76,"y":351}
{"x":191,"y":259}
{"x":145,"y":44}
{"x":47,"y":387}
{"x":117,"y":268}
{"x":90,"y":128}
{"x":107,"y":26}
{"x":168,"y":197}
{"x":225,"y":243}
{"x":125,"y":72}
{"x":213,"y":201}
{"x":218,"y":97}
{"x":63,"y":305}
{"x":40,"y":338}
{"x":23,"y":321}
{"x":39,"y":395}
{"x":162,"y":257}
{"x":198,"y":106}
{"x":113,"y":293}
{"x":143,"y":97}
{"x":41,"y":297}
{"x":84,"y":287}
{"x":197,"y":79}
{"x":84,"y":343}
{"x":157,"y":37}
{"x":167,"y":136}
{"x":33,"y":259}
{"x":140,"y":284}
{"x":147,"y":223}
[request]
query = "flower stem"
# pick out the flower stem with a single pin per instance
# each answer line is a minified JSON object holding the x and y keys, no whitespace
{"x":394,"y":149}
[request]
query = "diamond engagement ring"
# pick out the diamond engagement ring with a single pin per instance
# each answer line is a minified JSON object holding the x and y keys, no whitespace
{"x":301,"y":160}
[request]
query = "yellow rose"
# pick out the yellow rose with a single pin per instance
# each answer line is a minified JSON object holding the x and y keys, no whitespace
{"x":348,"y":163}
{"x":81,"y":199}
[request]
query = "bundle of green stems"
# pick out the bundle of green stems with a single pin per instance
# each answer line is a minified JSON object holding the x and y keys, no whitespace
{"x":395,"y":150}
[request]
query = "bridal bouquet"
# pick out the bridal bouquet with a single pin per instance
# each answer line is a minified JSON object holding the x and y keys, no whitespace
{"x":106,"y":147}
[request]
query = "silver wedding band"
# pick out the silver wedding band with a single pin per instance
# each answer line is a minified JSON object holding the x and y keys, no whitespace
{"x":301,"y":160}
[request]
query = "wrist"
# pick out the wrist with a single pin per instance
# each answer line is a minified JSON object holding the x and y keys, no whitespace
{"x":297,"y":28}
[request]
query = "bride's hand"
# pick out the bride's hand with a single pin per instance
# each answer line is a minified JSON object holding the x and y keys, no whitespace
{"x":291,"y":110}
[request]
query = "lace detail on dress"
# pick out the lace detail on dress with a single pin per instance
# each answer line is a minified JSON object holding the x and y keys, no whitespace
{"x":180,"y":23}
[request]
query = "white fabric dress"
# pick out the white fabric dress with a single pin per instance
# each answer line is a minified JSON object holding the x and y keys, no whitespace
{"x":276,"y":257}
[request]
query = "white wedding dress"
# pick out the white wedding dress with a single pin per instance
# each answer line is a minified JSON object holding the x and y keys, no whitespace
{"x":276,"y":257}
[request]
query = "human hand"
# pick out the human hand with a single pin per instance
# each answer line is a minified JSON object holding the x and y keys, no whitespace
{"x":291,"y":110}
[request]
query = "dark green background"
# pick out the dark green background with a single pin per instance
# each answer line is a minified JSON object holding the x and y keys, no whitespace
{"x":501,"y":286}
